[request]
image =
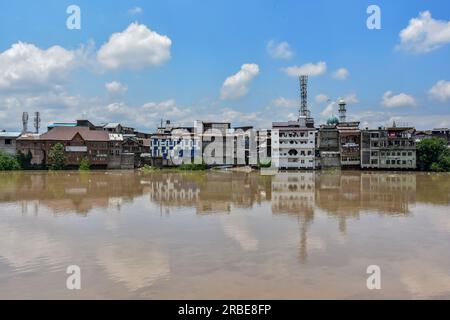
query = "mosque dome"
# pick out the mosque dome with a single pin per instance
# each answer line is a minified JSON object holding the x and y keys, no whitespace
{"x":333,"y":120}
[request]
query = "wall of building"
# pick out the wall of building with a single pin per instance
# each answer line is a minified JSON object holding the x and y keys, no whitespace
{"x":293,"y":148}
{"x":8,"y":145}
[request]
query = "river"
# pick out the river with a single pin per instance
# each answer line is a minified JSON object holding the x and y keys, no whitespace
{"x":224,"y":235}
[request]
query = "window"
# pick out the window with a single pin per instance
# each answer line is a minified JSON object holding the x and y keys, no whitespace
{"x":8,"y":141}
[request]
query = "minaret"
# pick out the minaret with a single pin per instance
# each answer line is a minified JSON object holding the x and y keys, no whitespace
{"x":342,"y":111}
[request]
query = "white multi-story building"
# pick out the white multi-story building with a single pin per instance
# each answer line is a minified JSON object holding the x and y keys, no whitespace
{"x":293,"y":145}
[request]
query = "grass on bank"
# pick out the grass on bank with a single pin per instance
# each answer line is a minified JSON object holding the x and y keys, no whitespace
{"x":184,"y":167}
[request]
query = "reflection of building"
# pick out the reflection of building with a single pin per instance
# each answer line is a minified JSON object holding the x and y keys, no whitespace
{"x":173,"y":191}
{"x":388,"y":193}
{"x":293,"y":145}
{"x":348,"y":194}
{"x":293,"y":195}
{"x":75,"y":192}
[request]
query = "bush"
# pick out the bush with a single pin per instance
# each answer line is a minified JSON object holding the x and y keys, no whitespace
{"x":56,"y":157}
{"x":25,"y":160}
{"x":8,"y":162}
{"x":265,"y":165}
{"x":84,"y":164}
{"x":433,"y":155}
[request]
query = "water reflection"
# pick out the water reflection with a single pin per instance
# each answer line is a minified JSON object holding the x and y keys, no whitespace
{"x":175,"y":235}
{"x":344,"y":194}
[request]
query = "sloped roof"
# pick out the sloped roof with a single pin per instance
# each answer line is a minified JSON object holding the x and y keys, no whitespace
{"x":67,"y":134}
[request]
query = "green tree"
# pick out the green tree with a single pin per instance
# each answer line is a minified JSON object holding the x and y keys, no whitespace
{"x":8,"y":162}
{"x":433,"y":155}
{"x":57,"y":157}
{"x":84,"y":164}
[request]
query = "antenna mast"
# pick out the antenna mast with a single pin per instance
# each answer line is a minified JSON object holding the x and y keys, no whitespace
{"x":25,"y":122}
{"x":304,"y":97}
{"x":37,"y":121}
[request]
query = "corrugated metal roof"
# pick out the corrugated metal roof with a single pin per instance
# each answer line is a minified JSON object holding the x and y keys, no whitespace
{"x":10,"y":134}
{"x":111,"y":125}
{"x":62,"y":124}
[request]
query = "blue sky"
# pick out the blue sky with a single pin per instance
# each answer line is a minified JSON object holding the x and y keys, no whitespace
{"x":224,"y":60}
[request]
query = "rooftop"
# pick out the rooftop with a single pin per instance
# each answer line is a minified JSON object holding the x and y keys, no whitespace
{"x":68,"y":133}
{"x":62,"y":124}
{"x":9,"y":134}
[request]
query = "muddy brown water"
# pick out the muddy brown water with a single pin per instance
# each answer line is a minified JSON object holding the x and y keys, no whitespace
{"x":222,"y":235}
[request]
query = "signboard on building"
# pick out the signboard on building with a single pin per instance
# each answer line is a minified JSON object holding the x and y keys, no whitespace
{"x":76,"y":149}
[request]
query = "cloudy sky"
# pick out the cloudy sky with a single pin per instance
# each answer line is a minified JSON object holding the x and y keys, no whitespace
{"x":139,"y":61}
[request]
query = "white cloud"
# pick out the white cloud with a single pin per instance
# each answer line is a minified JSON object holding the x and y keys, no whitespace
{"x":284,"y":102}
{"x":321,"y":98}
{"x":237,"y":85}
{"x":424,"y":34}
{"x":25,"y":66}
{"x":390,"y":100}
{"x":279,"y":50}
{"x":341,"y":74}
{"x":134,"y":48}
{"x":440,"y":91}
{"x":135,"y":11}
{"x":115,"y":88}
{"x":329,"y":110}
{"x":351,"y":98}
{"x":309,"y":69}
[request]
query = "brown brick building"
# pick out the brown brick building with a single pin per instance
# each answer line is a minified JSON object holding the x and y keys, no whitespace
{"x":78,"y":142}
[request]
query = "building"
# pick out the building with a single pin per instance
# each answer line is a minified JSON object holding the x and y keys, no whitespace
{"x":349,"y":144}
{"x":78,"y":142}
{"x":293,"y":145}
{"x":29,"y":143}
{"x":211,"y":138}
{"x":8,"y":142}
{"x":388,"y":148}
{"x":443,"y":133}
{"x":243,"y":147}
{"x":328,"y":145}
{"x":173,"y":144}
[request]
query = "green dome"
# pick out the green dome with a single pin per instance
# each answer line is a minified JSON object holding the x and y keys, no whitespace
{"x":333,"y":120}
